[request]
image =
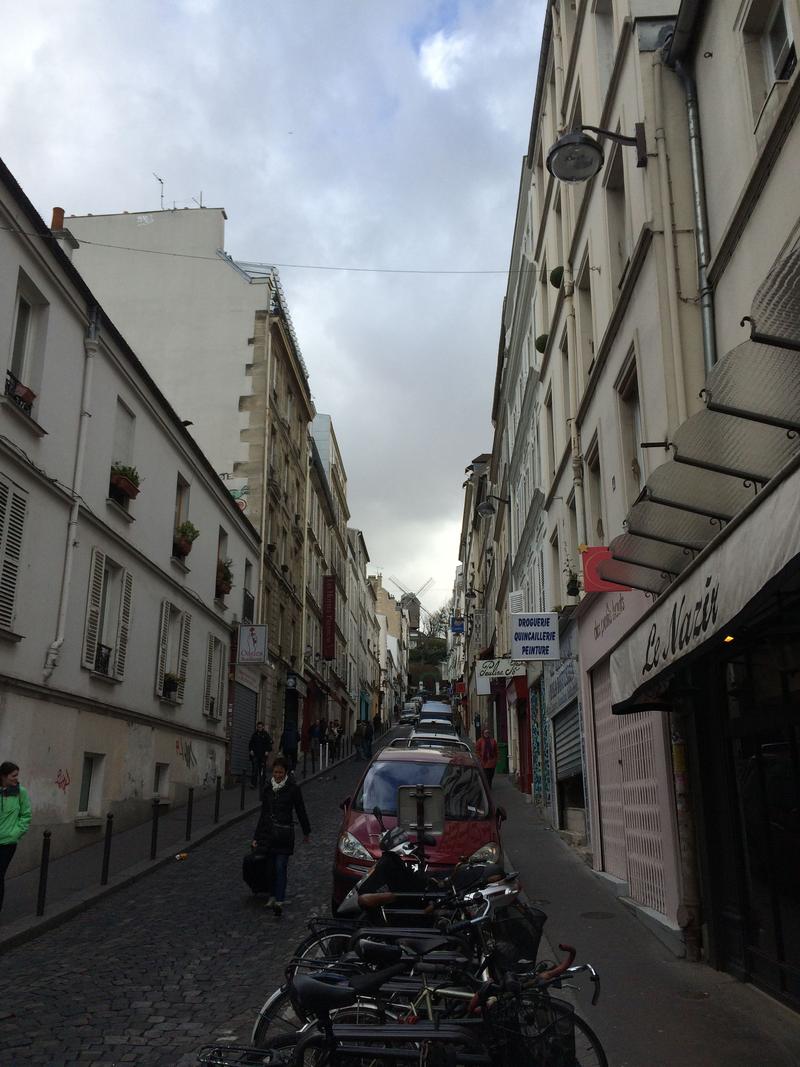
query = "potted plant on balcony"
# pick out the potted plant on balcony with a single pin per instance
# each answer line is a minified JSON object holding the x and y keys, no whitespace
{"x":170,"y":686}
{"x":124,"y":482}
{"x":224,"y":577}
{"x":182,"y":540}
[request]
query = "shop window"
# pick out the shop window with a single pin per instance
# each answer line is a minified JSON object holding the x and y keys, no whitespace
{"x":90,"y":799}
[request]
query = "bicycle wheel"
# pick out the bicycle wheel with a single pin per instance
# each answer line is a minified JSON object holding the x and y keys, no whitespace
{"x":325,"y":947}
{"x":554,"y":1035}
{"x":278,"y":1016}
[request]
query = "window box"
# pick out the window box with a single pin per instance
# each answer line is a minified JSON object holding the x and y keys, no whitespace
{"x":182,"y":540}
{"x":123,"y":483}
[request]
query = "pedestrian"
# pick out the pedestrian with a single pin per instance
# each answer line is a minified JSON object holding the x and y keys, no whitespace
{"x":336,"y":734}
{"x":476,"y":722}
{"x":274,"y":834}
{"x":288,"y":743}
{"x":369,"y":733}
{"x":376,"y":723}
{"x":314,"y":738}
{"x":487,"y":754}
{"x":15,"y":817}
{"x":260,"y":746}
{"x":359,"y":741}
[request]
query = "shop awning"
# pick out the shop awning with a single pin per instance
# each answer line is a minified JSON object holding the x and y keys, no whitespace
{"x":692,"y":536}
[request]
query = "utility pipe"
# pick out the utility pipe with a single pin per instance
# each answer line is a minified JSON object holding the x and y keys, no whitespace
{"x":572,"y":418}
{"x":265,"y":473}
{"x":90,"y":347}
{"x":670,"y":247}
{"x":700,"y":215}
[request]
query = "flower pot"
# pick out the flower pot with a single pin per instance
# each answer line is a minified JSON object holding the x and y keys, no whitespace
{"x":124,"y":485}
{"x":24,"y":393}
{"x":223,"y":588}
{"x":181,"y":547}
{"x":169,"y":688}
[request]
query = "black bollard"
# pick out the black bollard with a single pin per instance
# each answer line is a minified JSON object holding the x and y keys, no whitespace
{"x":189,"y":806}
{"x":43,"y":873}
{"x":305,"y":764}
{"x":154,"y":830}
{"x":244,"y":787}
{"x":217,"y":799}
{"x":107,"y":849}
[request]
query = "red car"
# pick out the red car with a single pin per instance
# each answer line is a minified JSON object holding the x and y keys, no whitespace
{"x":472,"y":822}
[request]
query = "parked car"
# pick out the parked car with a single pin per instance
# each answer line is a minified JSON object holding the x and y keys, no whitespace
{"x":416,"y":740}
{"x":409,"y":715}
{"x":441,"y":727}
{"x":472,"y":822}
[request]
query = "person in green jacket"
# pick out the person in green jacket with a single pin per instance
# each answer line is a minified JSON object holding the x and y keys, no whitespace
{"x":15,"y":817}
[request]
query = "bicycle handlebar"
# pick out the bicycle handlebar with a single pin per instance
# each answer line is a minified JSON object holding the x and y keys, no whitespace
{"x":555,"y":972}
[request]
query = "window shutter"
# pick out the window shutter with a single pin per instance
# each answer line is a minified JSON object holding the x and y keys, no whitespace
{"x":125,"y":605}
{"x":12,"y":519}
{"x":163,"y":638}
{"x":516,"y":601}
{"x":183,"y":657}
{"x":209,"y":680}
{"x":91,"y":633}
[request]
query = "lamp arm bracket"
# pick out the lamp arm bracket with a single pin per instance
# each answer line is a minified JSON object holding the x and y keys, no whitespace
{"x":637,"y":141}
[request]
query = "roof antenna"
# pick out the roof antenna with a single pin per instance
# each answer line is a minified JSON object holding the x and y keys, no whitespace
{"x":161,"y":183}
{"x":200,"y":201}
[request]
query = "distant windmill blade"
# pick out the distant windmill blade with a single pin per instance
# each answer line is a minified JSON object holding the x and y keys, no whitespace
{"x":424,"y":587}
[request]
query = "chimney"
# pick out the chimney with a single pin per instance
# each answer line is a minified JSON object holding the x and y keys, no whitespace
{"x":62,"y":235}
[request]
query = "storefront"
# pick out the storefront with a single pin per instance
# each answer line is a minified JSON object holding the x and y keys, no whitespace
{"x":243,"y":715}
{"x":562,"y":706}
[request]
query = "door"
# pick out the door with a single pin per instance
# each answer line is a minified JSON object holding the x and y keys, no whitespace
{"x":245,"y":709}
{"x":524,"y":740}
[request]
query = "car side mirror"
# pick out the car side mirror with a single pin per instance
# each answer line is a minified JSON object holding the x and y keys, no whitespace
{"x":502,"y":814}
{"x":345,"y":804}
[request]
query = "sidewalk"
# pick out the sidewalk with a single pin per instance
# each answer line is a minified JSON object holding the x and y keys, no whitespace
{"x":654,"y":1009}
{"x":73,"y":881}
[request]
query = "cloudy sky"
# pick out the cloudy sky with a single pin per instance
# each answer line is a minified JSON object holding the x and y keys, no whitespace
{"x":336,"y":133}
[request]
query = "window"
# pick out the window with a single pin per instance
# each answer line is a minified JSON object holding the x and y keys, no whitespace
{"x":550,"y":434}
{"x":214,"y":688}
{"x":778,"y":46}
{"x":617,"y":219}
{"x":769,"y":50}
{"x":566,"y":391}
{"x":108,"y":616}
{"x":543,"y":318}
{"x":248,"y":600}
{"x":585,"y":324}
{"x":555,"y":572}
{"x":124,"y":422}
{"x":91,"y":795}
{"x":604,"y":40}
{"x":27,"y":344}
{"x":181,"y":501}
{"x":630,"y":428}
{"x":161,"y":781}
{"x":13,"y":501}
{"x":174,"y":638}
{"x":594,"y":494}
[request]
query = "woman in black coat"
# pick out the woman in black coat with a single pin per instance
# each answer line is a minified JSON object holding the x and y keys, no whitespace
{"x":274,"y":834}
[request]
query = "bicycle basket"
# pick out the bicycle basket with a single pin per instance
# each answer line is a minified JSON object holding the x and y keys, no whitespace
{"x":549,"y":1029}
{"x":517,"y":931}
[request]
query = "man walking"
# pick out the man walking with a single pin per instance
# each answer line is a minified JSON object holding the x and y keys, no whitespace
{"x":288,"y":743}
{"x":487,"y":754}
{"x":260,"y":746}
{"x":476,"y":722}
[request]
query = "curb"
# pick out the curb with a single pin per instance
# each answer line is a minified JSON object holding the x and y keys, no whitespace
{"x":26,"y":929}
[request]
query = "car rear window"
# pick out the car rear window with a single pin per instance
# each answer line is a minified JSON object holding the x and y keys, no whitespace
{"x":464,"y":795}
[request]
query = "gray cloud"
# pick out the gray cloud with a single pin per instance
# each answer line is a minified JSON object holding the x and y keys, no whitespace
{"x":324,"y":131}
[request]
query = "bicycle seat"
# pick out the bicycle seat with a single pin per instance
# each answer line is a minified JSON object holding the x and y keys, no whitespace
{"x":378,"y":951}
{"x":321,"y":993}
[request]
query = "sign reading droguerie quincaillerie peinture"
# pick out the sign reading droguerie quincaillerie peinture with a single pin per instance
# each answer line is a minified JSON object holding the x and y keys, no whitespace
{"x":535,"y":636}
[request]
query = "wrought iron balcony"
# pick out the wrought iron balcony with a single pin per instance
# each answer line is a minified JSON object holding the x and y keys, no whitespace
{"x":22,"y":395}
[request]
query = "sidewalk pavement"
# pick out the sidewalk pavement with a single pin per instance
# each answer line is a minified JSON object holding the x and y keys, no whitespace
{"x":655,"y":1010}
{"x":73,"y":881}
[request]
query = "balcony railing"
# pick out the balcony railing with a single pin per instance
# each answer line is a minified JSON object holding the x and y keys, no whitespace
{"x":22,"y":395}
{"x":102,"y":659}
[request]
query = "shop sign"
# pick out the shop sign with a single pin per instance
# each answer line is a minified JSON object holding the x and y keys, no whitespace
{"x":488,"y":669}
{"x":535,"y":636}
{"x":457,"y":625}
{"x":561,"y":679}
{"x":252,"y":644}
{"x":294,"y":681}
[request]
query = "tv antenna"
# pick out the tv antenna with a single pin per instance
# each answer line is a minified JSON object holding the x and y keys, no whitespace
{"x":200,"y":201}
{"x":161,"y":183}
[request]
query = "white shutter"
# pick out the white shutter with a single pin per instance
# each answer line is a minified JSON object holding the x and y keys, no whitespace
{"x":123,"y":626}
{"x":183,"y":656}
{"x":516,"y":601}
{"x":209,"y":679}
{"x":163,"y":639}
{"x":94,"y":602}
{"x":12,"y":520}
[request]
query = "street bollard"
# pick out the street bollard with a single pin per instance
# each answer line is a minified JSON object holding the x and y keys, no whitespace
{"x":107,"y":849}
{"x":189,"y":806}
{"x":43,"y":873}
{"x":305,"y":764}
{"x":244,"y":787}
{"x":154,"y":830}
{"x":217,"y":799}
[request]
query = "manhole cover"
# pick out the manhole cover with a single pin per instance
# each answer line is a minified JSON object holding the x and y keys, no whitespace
{"x":694,"y":994}
{"x":597,"y":915}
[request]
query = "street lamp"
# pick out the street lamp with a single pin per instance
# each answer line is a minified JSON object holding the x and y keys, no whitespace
{"x":576,"y":157}
{"x":487,"y":508}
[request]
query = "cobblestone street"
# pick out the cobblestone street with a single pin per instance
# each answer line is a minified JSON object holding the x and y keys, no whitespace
{"x":182,"y":956}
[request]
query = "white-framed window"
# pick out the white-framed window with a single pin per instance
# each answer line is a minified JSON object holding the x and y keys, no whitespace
{"x":90,"y":798}
{"x":630,"y":421}
{"x":27,"y":343}
{"x":769,"y":49}
{"x":779,"y":51}
{"x":109,"y":607}
{"x":161,"y":781}
{"x":174,"y":637}
{"x":13,"y":505}
{"x":214,"y":688}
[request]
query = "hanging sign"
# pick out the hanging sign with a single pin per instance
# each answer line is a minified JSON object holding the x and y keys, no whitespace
{"x":535,"y":636}
{"x":489,"y":670}
{"x":252,"y":644}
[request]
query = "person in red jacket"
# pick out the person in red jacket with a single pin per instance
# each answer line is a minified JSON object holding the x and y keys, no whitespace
{"x":487,"y":754}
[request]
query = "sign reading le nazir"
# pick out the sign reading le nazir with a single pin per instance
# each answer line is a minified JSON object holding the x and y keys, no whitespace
{"x":535,"y":636}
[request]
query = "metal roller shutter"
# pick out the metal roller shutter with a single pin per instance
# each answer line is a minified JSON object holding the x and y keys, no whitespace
{"x":567,"y":736}
{"x":245,"y":708}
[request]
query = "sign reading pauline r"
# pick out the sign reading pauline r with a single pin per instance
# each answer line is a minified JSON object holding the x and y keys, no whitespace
{"x":535,"y":636}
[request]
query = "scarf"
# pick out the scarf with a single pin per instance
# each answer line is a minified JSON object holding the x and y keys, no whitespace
{"x":277,"y":786}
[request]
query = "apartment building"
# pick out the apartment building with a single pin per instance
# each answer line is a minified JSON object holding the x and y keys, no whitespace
{"x":217,"y":336}
{"x":125,"y":564}
{"x":393,"y":619}
{"x":364,"y":635}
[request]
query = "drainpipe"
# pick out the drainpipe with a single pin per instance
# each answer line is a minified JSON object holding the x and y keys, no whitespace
{"x":670,"y":247}
{"x":574,"y":436}
{"x":688,"y":915}
{"x":265,"y":473}
{"x":90,"y":347}
{"x":700,"y":213}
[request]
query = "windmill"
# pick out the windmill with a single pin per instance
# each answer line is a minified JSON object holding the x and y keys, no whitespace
{"x":411,"y":602}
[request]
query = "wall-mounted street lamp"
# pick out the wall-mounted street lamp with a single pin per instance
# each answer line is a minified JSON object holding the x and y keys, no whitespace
{"x":487,"y":508}
{"x":576,"y":157}
{"x":472,"y":593}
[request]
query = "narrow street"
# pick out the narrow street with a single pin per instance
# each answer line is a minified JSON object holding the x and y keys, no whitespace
{"x":182,"y":956}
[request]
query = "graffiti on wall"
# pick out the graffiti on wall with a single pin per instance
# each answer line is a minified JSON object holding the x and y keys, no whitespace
{"x":183,"y":746}
{"x":63,"y":780}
